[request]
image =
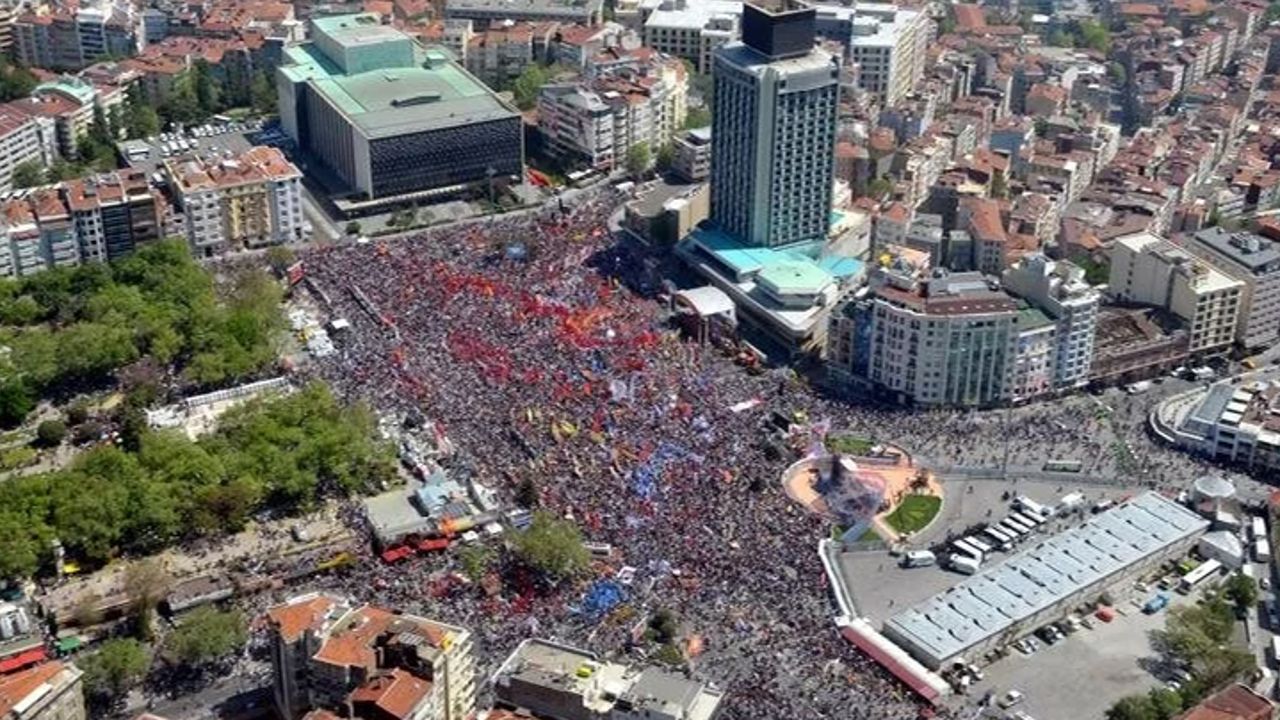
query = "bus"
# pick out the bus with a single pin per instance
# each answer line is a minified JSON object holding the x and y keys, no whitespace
{"x":1258,"y":527}
{"x":1275,"y":648}
{"x":1015,"y":530}
{"x":1016,"y":521}
{"x":968,"y":548}
{"x":1034,"y":521}
{"x":1063,"y":466}
{"x":978,"y":542}
{"x":1205,"y":571}
{"x":1000,"y":536}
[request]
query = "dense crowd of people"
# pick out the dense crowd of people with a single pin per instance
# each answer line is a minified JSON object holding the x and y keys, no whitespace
{"x":541,"y":346}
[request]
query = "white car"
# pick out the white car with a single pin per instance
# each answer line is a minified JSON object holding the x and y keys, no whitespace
{"x":1011,"y":698}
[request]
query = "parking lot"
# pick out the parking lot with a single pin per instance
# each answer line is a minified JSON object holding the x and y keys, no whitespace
{"x":1085,"y":673}
{"x":204,"y":140}
{"x":881,"y":588}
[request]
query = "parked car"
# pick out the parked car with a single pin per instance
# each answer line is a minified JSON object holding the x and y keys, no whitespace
{"x":1011,"y":698}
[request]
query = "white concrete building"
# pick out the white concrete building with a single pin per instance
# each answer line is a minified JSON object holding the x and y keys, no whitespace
{"x":1255,"y":261}
{"x":1148,"y":270}
{"x":692,"y":29}
{"x":889,"y":44}
{"x":24,"y":138}
{"x":250,"y":201}
{"x":1060,"y":290}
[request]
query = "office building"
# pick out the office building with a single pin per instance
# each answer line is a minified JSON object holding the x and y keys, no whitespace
{"x":486,"y":12}
{"x":1043,"y":583}
{"x":550,"y":680}
{"x":774,"y":124}
{"x":390,"y":120}
{"x":693,"y":29}
{"x":1149,"y":270}
{"x":1254,"y":261}
{"x":329,"y":655}
{"x":49,"y":691}
{"x":1061,"y":292}
{"x":249,"y":201}
{"x":932,"y":338}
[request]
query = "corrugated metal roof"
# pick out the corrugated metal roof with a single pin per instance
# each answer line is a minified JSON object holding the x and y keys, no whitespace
{"x":990,"y":602}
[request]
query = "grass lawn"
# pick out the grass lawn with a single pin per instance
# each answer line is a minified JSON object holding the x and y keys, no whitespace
{"x":914,"y":512}
{"x":849,"y":444}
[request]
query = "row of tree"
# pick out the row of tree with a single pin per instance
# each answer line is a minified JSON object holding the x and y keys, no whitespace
{"x":285,"y":453}
{"x":73,"y":327}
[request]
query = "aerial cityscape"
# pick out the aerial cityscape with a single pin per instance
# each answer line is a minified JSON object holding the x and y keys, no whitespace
{"x":639,"y":360}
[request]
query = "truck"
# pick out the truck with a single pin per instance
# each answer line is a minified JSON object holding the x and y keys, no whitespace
{"x":1157,"y":603}
{"x":1026,"y":504}
{"x":1071,"y":502}
{"x":964,"y":564}
{"x":918,"y":558}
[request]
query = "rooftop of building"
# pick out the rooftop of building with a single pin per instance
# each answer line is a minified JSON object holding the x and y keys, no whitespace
{"x":1255,"y":252}
{"x":256,"y":165}
{"x":1207,"y":278}
{"x":693,"y":15}
{"x":526,"y":7}
{"x":1003,"y":595}
{"x":1235,"y":702}
{"x":396,"y":86}
{"x":20,"y":690}
{"x":747,"y":59}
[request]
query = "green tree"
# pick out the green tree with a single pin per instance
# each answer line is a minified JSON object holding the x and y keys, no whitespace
{"x":263,"y":94}
{"x":528,"y":84}
{"x":352,"y":228}
{"x":638,"y":159}
{"x":1116,"y":72}
{"x":1133,"y":707}
{"x":551,"y":546}
{"x":665,"y":157}
{"x":999,"y":186}
{"x":206,"y":635}
{"x":527,"y":494}
{"x":51,"y":433}
{"x":16,"y":401}
{"x":1061,"y":38}
{"x":1165,"y":703}
{"x":141,"y":121}
{"x":698,"y":117}
{"x":117,"y":666}
{"x":146,"y":582}
{"x":1243,"y":591}
{"x":475,"y":561}
{"x":1094,"y":35}
{"x":879,"y":188}
{"x":28,"y":174}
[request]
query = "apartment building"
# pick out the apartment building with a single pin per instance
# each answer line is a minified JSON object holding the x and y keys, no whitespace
{"x":24,"y":138}
{"x":1147,"y":269}
{"x":49,"y":691}
{"x":70,"y":39}
{"x":1254,"y":261}
{"x":498,"y":55}
{"x":329,"y":654}
{"x":91,"y":219}
{"x":113,"y":213}
{"x":598,"y":121}
{"x":1059,"y":290}
{"x":691,"y":158}
{"x":66,"y":106}
{"x":550,"y":680}
{"x":889,"y":45}
{"x":249,"y":201}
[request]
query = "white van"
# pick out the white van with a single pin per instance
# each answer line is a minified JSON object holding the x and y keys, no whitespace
{"x":964,"y":564}
{"x":918,"y":558}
